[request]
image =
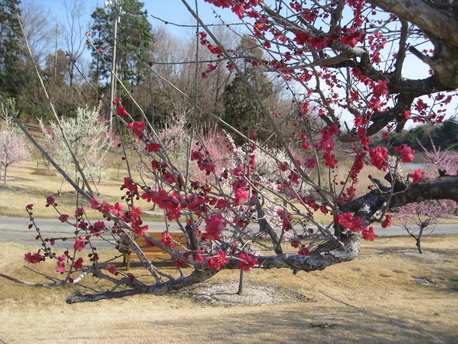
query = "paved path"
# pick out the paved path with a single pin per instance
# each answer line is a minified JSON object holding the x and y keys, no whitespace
{"x":15,"y":229}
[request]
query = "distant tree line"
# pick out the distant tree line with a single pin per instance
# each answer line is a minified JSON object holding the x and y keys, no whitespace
{"x":153,"y":67}
{"x":444,"y":135}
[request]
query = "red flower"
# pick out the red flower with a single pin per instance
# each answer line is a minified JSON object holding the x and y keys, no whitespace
{"x":97,"y":228}
{"x":79,"y":212}
{"x":407,"y":115}
{"x":78,"y":264}
{"x":50,"y":200}
{"x":326,"y":145}
{"x":319,"y":42}
{"x":417,"y":176}
{"x":140,"y":230}
{"x":116,"y":209}
{"x":351,"y":38}
{"x":33,"y":258}
{"x":239,"y":10}
{"x":61,"y":264}
{"x":304,"y":252}
{"x":295,"y":243}
{"x":179,"y":263}
{"x":94,"y":203}
{"x":283,"y":166}
{"x":129,"y":184}
{"x":387,"y":222}
{"x":219,"y":261}
{"x":407,"y":153}
{"x":379,"y":157}
{"x":79,"y":245}
{"x":214,"y":226}
{"x":137,"y":128}
{"x":167,"y":240}
{"x":286,"y":218}
{"x":310,"y":163}
{"x":112,"y":269}
{"x":30,"y":207}
{"x":122,"y":111}
{"x":352,"y":223}
{"x":198,"y":255}
{"x":241,"y":196}
{"x":136,"y":212}
{"x":247,"y":261}
{"x":153,"y":147}
{"x":368,"y":234}
{"x":63,"y":218}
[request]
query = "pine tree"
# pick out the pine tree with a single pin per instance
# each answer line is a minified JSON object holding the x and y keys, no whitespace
{"x":134,"y":37}
{"x":241,"y":111}
{"x":9,"y":45}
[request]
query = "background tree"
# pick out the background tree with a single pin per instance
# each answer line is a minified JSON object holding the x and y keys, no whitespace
{"x":133,"y":43}
{"x":422,"y":217}
{"x":13,"y":147}
{"x":182,"y":71}
{"x":444,"y":135}
{"x":241,"y":111}
{"x":73,"y":35}
{"x":41,"y":33}
{"x":13,"y":150}
{"x":83,"y":135}
{"x":9,"y":46}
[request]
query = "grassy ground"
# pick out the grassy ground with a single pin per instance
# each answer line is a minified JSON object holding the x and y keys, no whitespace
{"x":374,"y":299}
{"x":27,"y":184}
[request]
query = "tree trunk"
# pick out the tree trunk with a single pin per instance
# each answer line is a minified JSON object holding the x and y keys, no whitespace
{"x":241,"y":282}
{"x":5,"y":182}
{"x":418,"y":243}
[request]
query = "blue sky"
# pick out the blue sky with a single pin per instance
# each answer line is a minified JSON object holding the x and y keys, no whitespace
{"x":173,"y":11}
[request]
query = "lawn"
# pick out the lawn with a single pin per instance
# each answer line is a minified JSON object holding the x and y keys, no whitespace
{"x":389,"y":294}
{"x":377,"y":298}
{"x":28,"y":184}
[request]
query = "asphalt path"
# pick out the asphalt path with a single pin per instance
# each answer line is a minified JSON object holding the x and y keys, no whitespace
{"x":15,"y":229}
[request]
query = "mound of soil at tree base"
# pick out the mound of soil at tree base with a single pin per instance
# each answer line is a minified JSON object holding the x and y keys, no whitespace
{"x":426,"y":256}
{"x":225,"y":294}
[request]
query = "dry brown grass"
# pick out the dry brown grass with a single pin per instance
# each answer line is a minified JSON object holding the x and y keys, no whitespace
{"x":26,"y":186}
{"x":383,"y":304}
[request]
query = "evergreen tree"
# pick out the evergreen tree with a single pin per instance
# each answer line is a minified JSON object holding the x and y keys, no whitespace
{"x":9,"y":46}
{"x":240,"y":109}
{"x":134,"y":37}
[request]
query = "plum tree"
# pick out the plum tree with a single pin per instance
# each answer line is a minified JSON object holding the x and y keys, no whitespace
{"x":344,"y":63}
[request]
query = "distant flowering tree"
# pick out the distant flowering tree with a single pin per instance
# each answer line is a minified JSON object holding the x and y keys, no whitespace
{"x":13,"y":147}
{"x":204,"y":141}
{"x":82,"y":136}
{"x":422,"y":217}
{"x":13,"y":150}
